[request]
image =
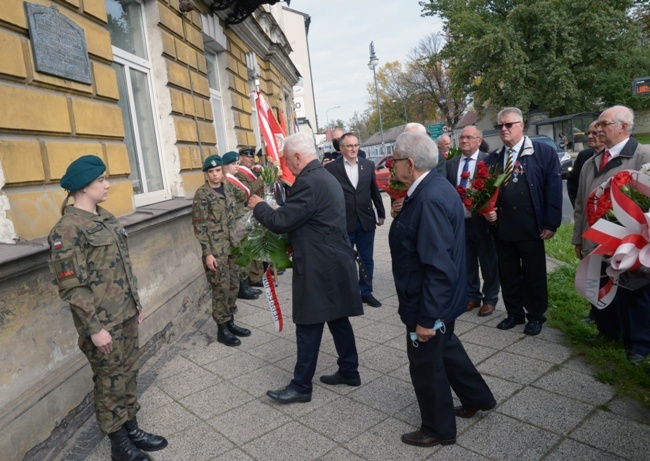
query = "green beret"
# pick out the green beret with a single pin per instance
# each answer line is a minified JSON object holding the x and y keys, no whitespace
{"x":230,"y":157}
{"x":247,"y":152}
{"x":82,"y":172}
{"x":212,"y":161}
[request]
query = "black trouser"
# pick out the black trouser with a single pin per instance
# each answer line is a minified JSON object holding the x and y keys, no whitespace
{"x":438,"y":366}
{"x":522,"y":274}
{"x":308,"y":338}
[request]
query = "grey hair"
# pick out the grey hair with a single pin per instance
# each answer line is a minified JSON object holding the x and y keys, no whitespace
{"x":420,"y":147}
{"x":511,"y":110}
{"x":623,"y":114}
{"x":301,"y":143}
{"x":439,"y":140}
{"x":414,"y":127}
{"x":478,"y":130}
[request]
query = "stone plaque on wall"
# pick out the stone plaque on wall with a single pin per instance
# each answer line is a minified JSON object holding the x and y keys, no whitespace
{"x":58,"y":44}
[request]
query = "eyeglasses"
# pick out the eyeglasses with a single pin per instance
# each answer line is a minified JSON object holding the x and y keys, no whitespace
{"x":604,"y":124}
{"x":463,"y":138}
{"x":391,"y":161}
{"x":593,"y":133}
{"x":507,"y":125}
{"x":350,"y":145}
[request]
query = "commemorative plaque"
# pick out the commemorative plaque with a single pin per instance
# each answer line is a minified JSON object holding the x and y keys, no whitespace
{"x":58,"y":44}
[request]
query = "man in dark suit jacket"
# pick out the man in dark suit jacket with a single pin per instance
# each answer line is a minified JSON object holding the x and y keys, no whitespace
{"x":479,"y":244}
{"x":357,"y":178}
{"x":595,"y":146}
{"x":529,"y":212}
{"x":427,"y":248}
{"x":324,"y":273}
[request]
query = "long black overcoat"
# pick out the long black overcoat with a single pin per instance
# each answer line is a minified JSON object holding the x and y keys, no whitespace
{"x":325,"y":280}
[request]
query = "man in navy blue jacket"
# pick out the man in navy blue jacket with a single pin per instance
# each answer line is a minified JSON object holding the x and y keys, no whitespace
{"x":529,"y":211}
{"x":427,"y":245}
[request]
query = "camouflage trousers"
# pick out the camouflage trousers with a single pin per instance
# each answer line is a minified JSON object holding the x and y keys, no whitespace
{"x":225,"y":286}
{"x":115,"y":376}
{"x":255,"y":272}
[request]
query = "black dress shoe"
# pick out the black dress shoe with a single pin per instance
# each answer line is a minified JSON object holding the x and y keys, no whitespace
{"x":469,"y":412}
{"x":509,"y":322}
{"x":533,"y":327}
{"x":371,"y":301}
{"x":420,"y":439}
{"x":289,"y":395}
{"x":338,"y":379}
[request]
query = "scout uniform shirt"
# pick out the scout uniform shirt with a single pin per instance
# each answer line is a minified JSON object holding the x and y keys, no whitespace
{"x":213,"y":218}
{"x":91,"y":266}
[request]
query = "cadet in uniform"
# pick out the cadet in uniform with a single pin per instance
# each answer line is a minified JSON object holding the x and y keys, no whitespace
{"x":255,"y":184}
{"x":213,"y":218}
{"x":242,"y":192}
{"x":91,"y":266}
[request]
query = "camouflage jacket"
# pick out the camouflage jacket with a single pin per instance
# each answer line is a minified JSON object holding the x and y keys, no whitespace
{"x":213,"y":218}
{"x":90,"y":263}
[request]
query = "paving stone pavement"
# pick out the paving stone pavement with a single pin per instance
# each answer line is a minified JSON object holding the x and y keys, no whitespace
{"x":209,"y":400}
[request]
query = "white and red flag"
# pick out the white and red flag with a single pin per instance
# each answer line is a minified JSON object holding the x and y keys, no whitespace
{"x":268,"y":127}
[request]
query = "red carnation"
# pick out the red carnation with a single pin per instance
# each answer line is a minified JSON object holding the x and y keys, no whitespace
{"x":478,"y":184}
{"x":621,"y":179}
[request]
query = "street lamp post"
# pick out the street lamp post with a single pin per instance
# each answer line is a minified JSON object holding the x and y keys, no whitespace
{"x":327,"y":117}
{"x":371,"y":65}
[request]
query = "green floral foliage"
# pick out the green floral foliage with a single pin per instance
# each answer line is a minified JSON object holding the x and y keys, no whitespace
{"x":263,"y":245}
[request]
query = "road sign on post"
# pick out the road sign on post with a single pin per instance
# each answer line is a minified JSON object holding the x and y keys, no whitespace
{"x":435,"y":131}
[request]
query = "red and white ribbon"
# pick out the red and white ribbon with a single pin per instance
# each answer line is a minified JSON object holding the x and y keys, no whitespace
{"x":626,"y":246}
{"x":237,"y":183}
{"x":274,"y":304}
{"x":247,"y":172}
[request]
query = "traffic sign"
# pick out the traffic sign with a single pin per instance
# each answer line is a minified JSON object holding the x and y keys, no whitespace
{"x":435,"y":131}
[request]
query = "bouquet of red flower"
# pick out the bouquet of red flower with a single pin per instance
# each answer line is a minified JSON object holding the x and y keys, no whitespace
{"x":395,"y":189}
{"x":481,"y":194}
{"x":618,"y":218}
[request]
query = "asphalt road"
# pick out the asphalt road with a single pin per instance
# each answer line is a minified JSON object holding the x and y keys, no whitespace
{"x":567,"y":209}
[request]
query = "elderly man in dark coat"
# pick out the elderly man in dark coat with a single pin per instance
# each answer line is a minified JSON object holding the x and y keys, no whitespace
{"x":325,"y":287}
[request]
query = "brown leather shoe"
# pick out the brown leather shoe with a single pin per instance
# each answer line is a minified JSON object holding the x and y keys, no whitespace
{"x":420,"y":439}
{"x":471,"y":305}
{"x":485,"y":310}
{"x":469,"y":412}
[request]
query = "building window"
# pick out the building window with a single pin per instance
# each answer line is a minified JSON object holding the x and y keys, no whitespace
{"x":133,"y":70}
{"x":216,"y":100}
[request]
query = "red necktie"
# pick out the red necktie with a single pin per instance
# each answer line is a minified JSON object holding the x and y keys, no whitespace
{"x":603,"y":162}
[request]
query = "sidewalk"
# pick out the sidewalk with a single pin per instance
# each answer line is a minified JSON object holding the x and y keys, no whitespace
{"x":210,"y":400}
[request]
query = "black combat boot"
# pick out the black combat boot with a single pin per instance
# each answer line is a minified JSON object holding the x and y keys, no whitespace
{"x":236,"y":329}
{"x":123,"y":450}
{"x":224,"y":336}
{"x":143,"y":440}
{"x":246,"y":292}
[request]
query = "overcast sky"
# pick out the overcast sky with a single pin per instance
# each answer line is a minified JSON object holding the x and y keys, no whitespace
{"x":339,"y":36}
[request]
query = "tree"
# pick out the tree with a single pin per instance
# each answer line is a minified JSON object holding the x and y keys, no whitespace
{"x":564,"y":56}
{"x":360,"y":125}
{"x":428,"y":72}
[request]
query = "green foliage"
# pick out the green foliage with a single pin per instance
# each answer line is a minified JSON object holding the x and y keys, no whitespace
{"x":453,"y":152}
{"x":564,"y":56}
{"x":559,"y":247}
{"x":263,"y":245}
{"x":567,"y":309}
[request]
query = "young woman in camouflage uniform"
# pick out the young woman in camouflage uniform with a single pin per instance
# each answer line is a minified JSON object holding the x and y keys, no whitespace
{"x":91,"y":266}
{"x":242,"y":191}
{"x":213,"y":218}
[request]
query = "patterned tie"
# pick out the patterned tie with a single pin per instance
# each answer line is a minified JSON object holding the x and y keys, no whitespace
{"x":603,"y":162}
{"x":463,"y":181}
{"x":508,"y":169}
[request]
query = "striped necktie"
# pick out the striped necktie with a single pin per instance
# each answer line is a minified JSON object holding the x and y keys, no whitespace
{"x":508,"y":170}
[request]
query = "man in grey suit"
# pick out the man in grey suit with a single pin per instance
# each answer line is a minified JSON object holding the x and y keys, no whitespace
{"x":479,"y":245}
{"x":324,"y":281}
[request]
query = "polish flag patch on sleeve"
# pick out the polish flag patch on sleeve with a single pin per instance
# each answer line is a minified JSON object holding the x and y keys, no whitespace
{"x":57,"y":245}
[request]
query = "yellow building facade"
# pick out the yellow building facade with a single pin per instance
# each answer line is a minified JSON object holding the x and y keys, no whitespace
{"x":167,"y":88}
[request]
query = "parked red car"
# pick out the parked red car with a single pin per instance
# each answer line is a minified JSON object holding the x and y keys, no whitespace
{"x":382,"y":173}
